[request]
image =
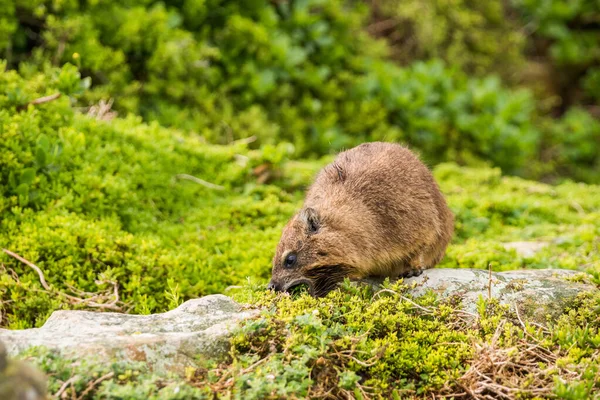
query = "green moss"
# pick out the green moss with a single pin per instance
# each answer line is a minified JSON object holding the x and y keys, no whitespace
{"x":516,"y":285}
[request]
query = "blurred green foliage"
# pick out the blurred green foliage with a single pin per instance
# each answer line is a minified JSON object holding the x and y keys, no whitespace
{"x":500,"y":37}
{"x":570,"y":146}
{"x":225,"y":69}
{"x":567,"y":32}
{"x":475,"y":36}
{"x":551,"y":47}
{"x":306,"y":72}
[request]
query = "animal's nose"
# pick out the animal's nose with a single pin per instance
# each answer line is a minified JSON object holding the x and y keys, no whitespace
{"x":273,"y":286}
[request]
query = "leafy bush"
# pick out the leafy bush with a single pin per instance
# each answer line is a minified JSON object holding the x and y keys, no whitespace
{"x":449,"y":117}
{"x":477,"y":37}
{"x":302,"y":72}
{"x":570,"y":146}
{"x":567,"y":33}
{"x":551,"y":46}
{"x":94,"y":202}
{"x":198,"y":65}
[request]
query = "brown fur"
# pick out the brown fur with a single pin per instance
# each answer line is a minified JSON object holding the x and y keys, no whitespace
{"x":375,"y":211}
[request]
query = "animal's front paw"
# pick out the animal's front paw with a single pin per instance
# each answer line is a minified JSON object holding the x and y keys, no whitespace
{"x":411,"y":273}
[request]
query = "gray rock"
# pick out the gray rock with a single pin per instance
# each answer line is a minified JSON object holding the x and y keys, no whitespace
{"x":537,"y":293}
{"x":525,"y":249}
{"x":168,"y":341}
{"x":202,"y":327}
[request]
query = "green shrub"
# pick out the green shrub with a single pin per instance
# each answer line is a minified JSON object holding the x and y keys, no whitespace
{"x":569,"y":36}
{"x":449,"y":117}
{"x":552,"y":45}
{"x":477,"y":37}
{"x":89,"y":200}
{"x":198,"y":65}
{"x":301,"y":72}
{"x":570,"y":146}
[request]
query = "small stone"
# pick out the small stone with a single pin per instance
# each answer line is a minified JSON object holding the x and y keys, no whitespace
{"x":525,"y":249}
{"x":19,"y":380}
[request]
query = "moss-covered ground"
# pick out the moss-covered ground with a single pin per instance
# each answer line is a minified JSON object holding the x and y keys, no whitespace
{"x":357,"y":344}
{"x":123,"y":216}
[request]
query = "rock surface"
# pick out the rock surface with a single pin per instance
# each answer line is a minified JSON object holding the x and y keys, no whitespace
{"x":168,"y":341}
{"x":536,"y":293}
{"x":202,"y":327}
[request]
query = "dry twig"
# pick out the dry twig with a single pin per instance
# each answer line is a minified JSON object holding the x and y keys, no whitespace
{"x":95,"y":383}
{"x":40,"y":100}
{"x":102,"y":111}
{"x":93,"y":300}
{"x":32,"y":265}
{"x":64,"y":386}
{"x":489,"y":281}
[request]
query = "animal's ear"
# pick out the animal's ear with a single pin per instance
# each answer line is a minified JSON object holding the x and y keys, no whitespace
{"x":312,"y":219}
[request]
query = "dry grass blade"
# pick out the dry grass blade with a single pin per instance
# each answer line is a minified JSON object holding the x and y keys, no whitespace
{"x":426,"y":310}
{"x":420,"y":307}
{"x":512,"y":372}
{"x":32,"y":265}
{"x":199,"y":181}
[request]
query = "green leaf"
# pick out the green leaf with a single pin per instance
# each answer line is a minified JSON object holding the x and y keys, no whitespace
{"x":22,"y":189}
{"x":11,"y":180}
{"x":27,"y":176}
{"x":348,"y":379}
{"x":41,"y":157}
{"x":43,"y":142}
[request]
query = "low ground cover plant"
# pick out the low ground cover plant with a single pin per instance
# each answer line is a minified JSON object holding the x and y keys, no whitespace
{"x":360,"y":344}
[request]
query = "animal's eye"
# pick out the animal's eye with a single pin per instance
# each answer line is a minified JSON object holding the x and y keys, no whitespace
{"x":290,"y":260}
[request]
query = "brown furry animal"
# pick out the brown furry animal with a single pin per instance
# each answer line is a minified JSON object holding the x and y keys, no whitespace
{"x":376,"y":211}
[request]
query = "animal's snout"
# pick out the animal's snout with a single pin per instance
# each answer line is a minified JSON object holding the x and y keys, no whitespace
{"x":274,"y":286}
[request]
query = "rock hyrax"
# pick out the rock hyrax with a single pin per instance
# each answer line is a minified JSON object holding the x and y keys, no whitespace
{"x":375,"y":211}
